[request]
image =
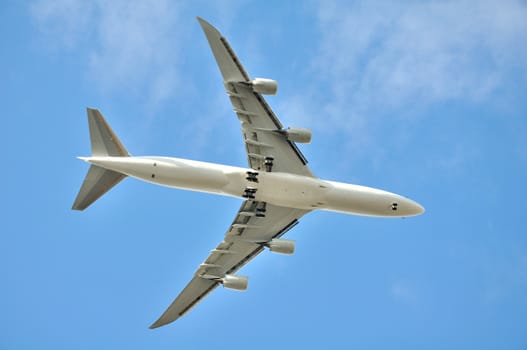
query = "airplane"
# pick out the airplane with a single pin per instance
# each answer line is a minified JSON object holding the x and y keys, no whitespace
{"x":278,"y":187}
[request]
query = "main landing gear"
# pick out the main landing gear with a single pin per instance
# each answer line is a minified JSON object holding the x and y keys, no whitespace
{"x":268,"y":162}
{"x":261,"y":209}
{"x":252,"y":176}
{"x":249,"y":193}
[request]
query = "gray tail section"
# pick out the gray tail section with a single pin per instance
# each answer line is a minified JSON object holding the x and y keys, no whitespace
{"x":104,"y":143}
{"x":97,"y":182}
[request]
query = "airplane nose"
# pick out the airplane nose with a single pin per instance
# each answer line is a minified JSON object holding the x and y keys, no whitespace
{"x":406,"y":207}
{"x":418,"y":208}
{"x":413,"y":208}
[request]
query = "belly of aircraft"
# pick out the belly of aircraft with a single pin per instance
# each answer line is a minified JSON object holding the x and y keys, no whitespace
{"x":282,"y":189}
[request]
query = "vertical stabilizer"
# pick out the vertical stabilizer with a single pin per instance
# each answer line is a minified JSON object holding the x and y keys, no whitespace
{"x":104,"y":143}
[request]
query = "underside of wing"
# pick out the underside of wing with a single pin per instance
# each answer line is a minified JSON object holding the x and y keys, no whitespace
{"x":268,"y":145}
{"x":257,"y":225}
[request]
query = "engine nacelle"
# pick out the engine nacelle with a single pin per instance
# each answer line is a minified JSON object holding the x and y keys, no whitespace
{"x":235,"y":282}
{"x":283,"y":246}
{"x":300,"y":135}
{"x":264,"y":86}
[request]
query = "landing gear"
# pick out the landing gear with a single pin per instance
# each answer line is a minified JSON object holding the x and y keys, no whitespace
{"x":252,"y":176}
{"x":261,"y":209}
{"x":268,"y":162}
{"x":249,"y":193}
{"x":394,"y":206}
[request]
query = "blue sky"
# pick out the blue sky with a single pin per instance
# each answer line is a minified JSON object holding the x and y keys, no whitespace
{"x":425,"y":99}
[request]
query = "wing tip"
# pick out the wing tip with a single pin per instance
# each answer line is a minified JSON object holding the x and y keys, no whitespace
{"x":202,"y":22}
{"x":207,"y":27}
{"x":154,"y":325}
{"x":161,"y":322}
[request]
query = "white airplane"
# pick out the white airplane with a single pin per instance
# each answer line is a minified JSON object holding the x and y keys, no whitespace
{"x":278,"y":187}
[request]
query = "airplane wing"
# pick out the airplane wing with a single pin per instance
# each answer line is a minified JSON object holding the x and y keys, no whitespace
{"x":255,"y":225}
{"x":263,"y":133}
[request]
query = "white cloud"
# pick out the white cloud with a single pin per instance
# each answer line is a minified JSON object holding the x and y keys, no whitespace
{"x":398,"y":54}
{"x":63,"y":22}
{"x":372,"y":58}
{"x":131,"y":45}
{"x":380,"y":63}
{"x":376,"y":57}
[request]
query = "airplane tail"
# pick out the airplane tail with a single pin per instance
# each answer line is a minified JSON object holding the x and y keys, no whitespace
{"x":104,"y":143}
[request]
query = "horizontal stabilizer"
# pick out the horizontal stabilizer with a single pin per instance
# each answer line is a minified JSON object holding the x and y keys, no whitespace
{"x":97,"y":182}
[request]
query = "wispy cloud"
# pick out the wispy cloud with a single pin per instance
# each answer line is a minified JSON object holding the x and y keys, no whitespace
{"x":63,"y":22}
{"x":133,"y":44}
{"x":373,"y":59}
{"x":396,"y":54}
{"x":382,"y":62}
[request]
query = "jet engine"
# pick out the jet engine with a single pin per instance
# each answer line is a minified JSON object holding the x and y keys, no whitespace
{"x":283,"y":246}
{"x":235,"y":282}
{"x":300,"y":135}
{"x":264,"y":86}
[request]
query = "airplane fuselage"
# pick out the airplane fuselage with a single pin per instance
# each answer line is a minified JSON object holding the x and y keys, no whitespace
{"x":282,"y":189}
